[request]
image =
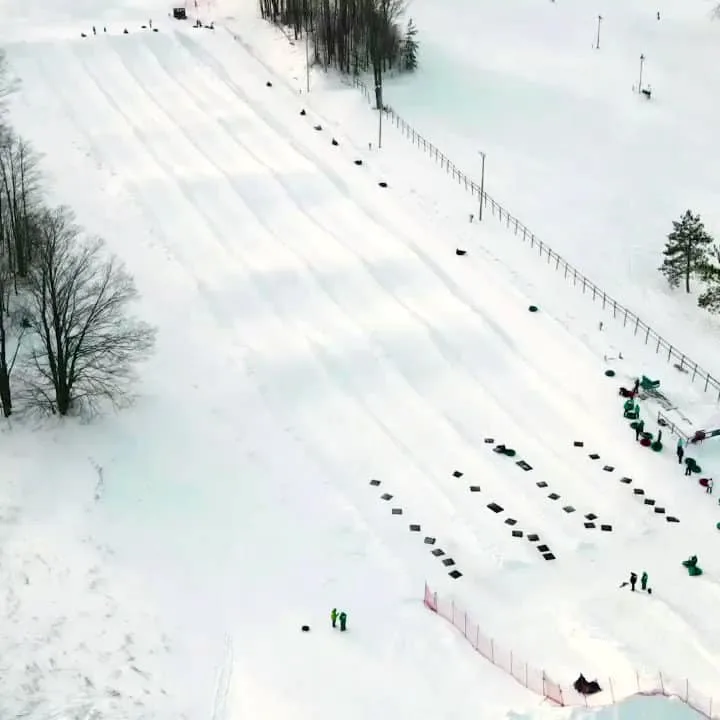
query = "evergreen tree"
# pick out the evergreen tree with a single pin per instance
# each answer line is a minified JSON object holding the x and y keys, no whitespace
{"x":686,"y":251}
{"x":710,"y":297}
{"x":410,"y":48}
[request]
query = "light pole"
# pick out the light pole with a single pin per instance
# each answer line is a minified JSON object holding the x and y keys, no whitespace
{"x":597,"y":42}
{"x":378,"y":95}
{"x":482,"y":186}
{"x":307,"y":59}
{"x":642,"y":62}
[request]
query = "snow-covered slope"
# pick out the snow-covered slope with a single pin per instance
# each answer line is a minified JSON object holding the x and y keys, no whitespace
{"x":591,"y":166}
{"x":317,"y":331}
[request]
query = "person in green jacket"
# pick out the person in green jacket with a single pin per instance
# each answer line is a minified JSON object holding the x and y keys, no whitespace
{"x":644,"y":581}
{"x":343,"y":621}
{"x":334,"y":616}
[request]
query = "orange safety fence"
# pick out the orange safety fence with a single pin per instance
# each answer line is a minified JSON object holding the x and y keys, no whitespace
{"x":539,"y":682}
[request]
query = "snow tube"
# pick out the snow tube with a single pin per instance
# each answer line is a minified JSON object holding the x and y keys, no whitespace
{"x":609,"y":373}
{"x":533,"y":308}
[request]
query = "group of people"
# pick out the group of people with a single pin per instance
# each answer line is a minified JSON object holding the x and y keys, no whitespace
{"x":341,"y":616}
{"x":633,"y":582}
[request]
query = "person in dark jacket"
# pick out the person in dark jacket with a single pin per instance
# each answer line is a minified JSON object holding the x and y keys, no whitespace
{"x":680,"y":451}
{"x":633,"y":581}
{"x":639,"y":428}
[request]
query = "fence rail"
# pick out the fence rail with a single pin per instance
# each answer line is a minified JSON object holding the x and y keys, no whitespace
{"x":539,"y":682}
{"x":620,"y":312}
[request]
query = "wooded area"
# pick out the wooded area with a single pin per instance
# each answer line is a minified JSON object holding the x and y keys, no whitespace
{"x":352,"y":36}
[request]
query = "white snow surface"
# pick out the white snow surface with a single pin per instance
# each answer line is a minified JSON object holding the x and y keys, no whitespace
{"x":317,"y":331}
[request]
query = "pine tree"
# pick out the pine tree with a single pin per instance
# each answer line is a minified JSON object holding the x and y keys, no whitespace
{"x":710,"y":297}
{"x":686,"y":251}
{"x":410,"y":48}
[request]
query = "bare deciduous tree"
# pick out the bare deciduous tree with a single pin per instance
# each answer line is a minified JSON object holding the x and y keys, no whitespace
{"x":86,"y":343}
{"x":19,"y":186}
{"x":8,"y":356}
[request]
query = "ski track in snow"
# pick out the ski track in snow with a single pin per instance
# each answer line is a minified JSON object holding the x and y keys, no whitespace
{"x":369,"y":350}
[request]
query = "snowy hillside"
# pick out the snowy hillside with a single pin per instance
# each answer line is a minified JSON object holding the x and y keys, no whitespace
{"x":317,"y":331}
{"x":592,"y":167}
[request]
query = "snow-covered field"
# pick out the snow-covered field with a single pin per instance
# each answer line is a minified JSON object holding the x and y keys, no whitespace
{"x":317,"y":331}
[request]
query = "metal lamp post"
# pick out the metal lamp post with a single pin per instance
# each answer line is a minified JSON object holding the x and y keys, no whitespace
{"x":482,"y":186}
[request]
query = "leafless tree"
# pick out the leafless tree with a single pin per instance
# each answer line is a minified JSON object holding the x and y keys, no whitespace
{"x":86,"y":345}
{"x":19,"y":196}
{"x":8,"y":354}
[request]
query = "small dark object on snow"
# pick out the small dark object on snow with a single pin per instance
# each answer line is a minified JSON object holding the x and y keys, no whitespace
{"x":586,"y":687}
{"x":457,"y":474}
{"x":382,"y":184}
{"x":510,"y":521}
{"x":179,"y":13}
{"x":305,"y":628}
{"x":579,"y":443}
{"x":302,"y":112}
{"x":533,"y":308}
{"x":609,"y":373}
{"x":458,"y":251}
{"x":318,"y":127}
{"x":125,"y":32}
{"x":647,"y":93}
{"x":375,"y":482}
{"x":594,"y":456}
{"x":83,"y":35}
{"x":358,"y":162}
{"x":334,"y":142}
{"x":155,"y":30}
{"x":414,"y":528}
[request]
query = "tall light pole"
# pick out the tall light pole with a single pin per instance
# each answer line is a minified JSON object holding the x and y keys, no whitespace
{"x":307,"y":59}
{"x":597,"y":42}
{"x":378,"y":94}
{"x":482,"y":186}
{"x":642,"y":62}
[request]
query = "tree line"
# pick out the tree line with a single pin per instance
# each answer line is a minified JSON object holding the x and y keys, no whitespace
{"x":67,"y":342}
{"x":690,"y":254}
{"x":352,"y":36}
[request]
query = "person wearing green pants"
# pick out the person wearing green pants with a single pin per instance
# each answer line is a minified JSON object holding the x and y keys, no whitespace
{"x":334,"y":616}
{"x":644,"y":581}
{"x":343,"y":621}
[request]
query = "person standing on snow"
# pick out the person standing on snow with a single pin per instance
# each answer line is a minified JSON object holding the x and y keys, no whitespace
{"x":633,"y":581}
{"x":644,"y":580}
{"x":680,"y":451}
{"x":343,"y":621}
{"x":334,"y":617}
{"x":639,"y":428}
